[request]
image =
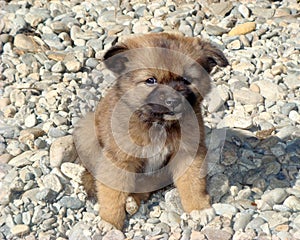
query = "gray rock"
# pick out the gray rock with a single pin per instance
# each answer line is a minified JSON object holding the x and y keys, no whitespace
{"x":224,"y":209}
{"x":216,"y":234}
{"x":293,"y":203}
{"x":58,"y":67}
{"x":20,"y":230}
{"x":173,"y":202}
{"x":70,"y":202}
{"x":62,"y":150}
{"x":56,"y":132}
{"x":234,"y":45}
{"x":46,"y":195}
{"x":114,"y":235}
{"x":215,"y":30}
{"x":22,"y":159}
{"x":242,"y":220}
{"x":52,"y":182}
{"x":72,"y":170}
{"x":246,"y":96}
{"x":30,"y":121}
{"x":220,"y":9}
{"x":244,"y":11}
{"x":25,"y":43}
{"x":263,"y":12}
{"x":218,"y":186}
{"x":270,"y":90}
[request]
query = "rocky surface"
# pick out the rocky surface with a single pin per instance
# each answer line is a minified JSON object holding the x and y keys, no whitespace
{"x":51,"y":75}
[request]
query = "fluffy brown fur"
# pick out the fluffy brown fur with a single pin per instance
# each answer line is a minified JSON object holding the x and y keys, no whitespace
{"x":174,"y":66}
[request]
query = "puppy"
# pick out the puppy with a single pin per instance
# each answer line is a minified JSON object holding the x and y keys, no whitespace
{"x":148,"y":131}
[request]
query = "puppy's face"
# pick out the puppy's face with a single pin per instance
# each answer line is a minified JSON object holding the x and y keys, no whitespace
{"x":162,"y":76}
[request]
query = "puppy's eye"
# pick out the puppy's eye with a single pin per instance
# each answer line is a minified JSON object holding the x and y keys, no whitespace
{"x":186,"y":81}
{"x":151,"y":81}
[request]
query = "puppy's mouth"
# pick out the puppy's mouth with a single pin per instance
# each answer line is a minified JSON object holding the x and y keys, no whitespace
{"x":153,"y":112}
{"x":172,"y":116}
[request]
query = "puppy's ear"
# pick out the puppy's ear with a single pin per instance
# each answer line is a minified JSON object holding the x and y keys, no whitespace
{"x":115,"y":58}
{"x":211,"y":56}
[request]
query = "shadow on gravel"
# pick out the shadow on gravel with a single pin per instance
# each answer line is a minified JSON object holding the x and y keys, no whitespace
{"x":257,"y":163}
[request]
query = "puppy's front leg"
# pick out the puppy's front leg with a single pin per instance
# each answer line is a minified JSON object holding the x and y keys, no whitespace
{"x":111,"y":205}
{"x":192,"y":188}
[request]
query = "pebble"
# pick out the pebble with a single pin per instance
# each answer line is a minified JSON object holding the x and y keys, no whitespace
{"x":224,"y":209}
{"x":220,"y":9}
{"x":293,"y":203}
{"x":244,"y":11}
{"x":216,"y":234}
{"x":30,"y":121}
{"x":274,"y":196}
{"x":20,"y":230}
{"x":246,"y":96}
{"x":72,"y":170}
{"x":242,"y":29}
{"x":62,"y":150}
{"x":70,"y":202}
{"x":52,"y":181}
{"x":234,"y":45}
{"x":270,"y":91}
{"x":114,"y":235}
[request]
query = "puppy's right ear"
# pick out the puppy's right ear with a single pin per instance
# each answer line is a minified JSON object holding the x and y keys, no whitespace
{"x":115,"y":58}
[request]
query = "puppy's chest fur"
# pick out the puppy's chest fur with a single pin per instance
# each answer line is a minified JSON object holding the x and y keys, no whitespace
{"x":157,"y":159}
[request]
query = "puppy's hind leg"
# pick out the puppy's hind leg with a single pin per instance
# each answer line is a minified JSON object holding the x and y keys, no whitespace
{"x":88,"y":182}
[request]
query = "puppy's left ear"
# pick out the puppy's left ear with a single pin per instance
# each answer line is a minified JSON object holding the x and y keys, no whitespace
{"x":115,"y":58}
{"x":211,"y":56}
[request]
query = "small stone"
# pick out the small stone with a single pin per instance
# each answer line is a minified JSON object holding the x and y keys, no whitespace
{"x":270,"y":90}
{"x":5,"y":193}
{"x":25,"y":43}
{"x":242,"y":220}
{"x":242,"y":29}
{"x":72,"y":170}
{"x":245,"y":12}
{"x":173,"y":201}
{"x":294,"y":116}
{"x":114,"y":235}
{"x":62,"y":150}
{"x":293,"y":203}
{"x":224,"y":209}
{"x":70,"y":202}
{"x":246,"y":96}
{"x":195,"y":235}
{"x":30,"y":121}
{"x":17,"y":97}
{"x":140,"y":27}
{"x":4,"y":158}
{"x":4,"y":102}
{"x":234,"y":45}
{"x":20,"y":230}
{"x":218,"y":185}
{"x":46,"y":195}
{"x":216,"y":234}
{"x":215,"y":30}
{"x":263,"y":12}
{"x":73,"y":65}
{"x":22,"y":159}
{"x":220,"y":9}
{"x":52,"y":181}
{"x":203,"y":216}
{"x":131,"y":206}
{"x":58,"y":67}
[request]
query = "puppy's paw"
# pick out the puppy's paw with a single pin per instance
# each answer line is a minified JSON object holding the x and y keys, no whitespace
{"x":131,"y":205}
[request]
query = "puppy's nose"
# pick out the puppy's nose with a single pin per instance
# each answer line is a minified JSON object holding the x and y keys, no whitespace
{"x":172,"y":102}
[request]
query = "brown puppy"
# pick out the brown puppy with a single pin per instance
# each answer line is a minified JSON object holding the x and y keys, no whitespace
{"x":148,"y":130}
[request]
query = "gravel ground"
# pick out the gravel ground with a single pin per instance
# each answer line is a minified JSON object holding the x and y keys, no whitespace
{"x":51,"y":75}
